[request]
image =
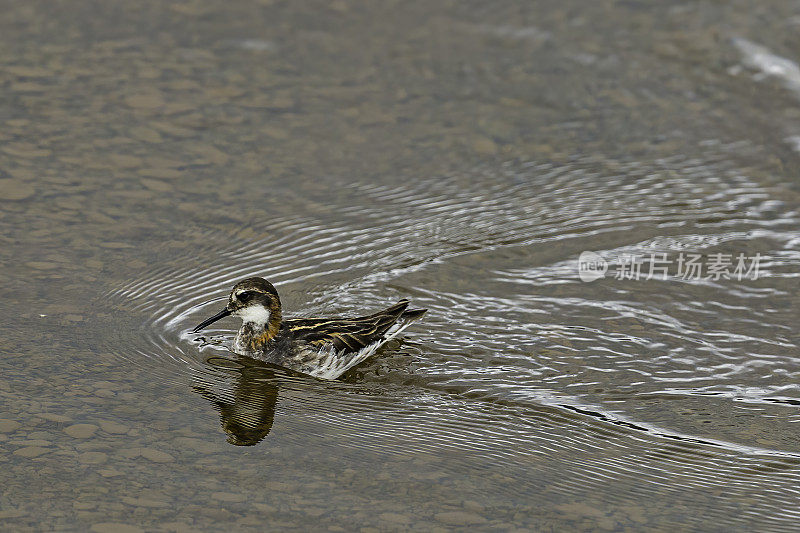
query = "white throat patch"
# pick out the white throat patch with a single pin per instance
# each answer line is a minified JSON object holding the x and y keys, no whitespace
{"x":256,"y":314}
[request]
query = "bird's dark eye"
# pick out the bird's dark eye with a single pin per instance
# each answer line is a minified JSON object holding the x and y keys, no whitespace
{"x":245,"y":296}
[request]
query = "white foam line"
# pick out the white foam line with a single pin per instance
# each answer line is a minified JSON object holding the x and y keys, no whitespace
{"x":761,"y":58}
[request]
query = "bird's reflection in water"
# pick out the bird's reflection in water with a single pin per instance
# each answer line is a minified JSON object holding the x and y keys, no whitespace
{"x":245,"y":392}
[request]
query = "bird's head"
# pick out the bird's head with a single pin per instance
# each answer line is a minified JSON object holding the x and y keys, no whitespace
{"x":254,"y":300}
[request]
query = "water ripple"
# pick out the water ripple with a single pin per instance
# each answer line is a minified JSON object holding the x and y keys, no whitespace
{"x":518,"y":361}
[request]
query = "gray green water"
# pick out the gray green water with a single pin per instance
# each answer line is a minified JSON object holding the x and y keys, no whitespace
{"x":461,"y":155}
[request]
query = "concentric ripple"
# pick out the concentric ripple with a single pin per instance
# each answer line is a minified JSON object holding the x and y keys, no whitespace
{"x":651,"y":387}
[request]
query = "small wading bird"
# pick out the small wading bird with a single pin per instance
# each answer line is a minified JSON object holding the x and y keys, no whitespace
{"x":321,"y":347}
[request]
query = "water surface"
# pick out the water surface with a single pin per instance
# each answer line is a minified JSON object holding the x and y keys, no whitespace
{"x":462,"y":156}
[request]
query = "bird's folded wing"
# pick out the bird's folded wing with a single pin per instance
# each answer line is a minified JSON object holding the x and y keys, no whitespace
{"x":348,"y":334}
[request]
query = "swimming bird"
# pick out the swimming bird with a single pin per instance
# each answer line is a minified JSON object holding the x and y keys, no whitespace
{"x":320,"y":347}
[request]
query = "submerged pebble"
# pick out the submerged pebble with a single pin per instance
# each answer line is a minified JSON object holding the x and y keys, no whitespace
{"x":31,"y":451}
{"x":459,"y":518}
{"x":80,"y":431}
{"x":115,"y":527}
{"x":12,"y":189}
{"x":9,"y":426}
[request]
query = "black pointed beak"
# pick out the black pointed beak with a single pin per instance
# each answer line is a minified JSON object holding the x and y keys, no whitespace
{"x":222,"y":314}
